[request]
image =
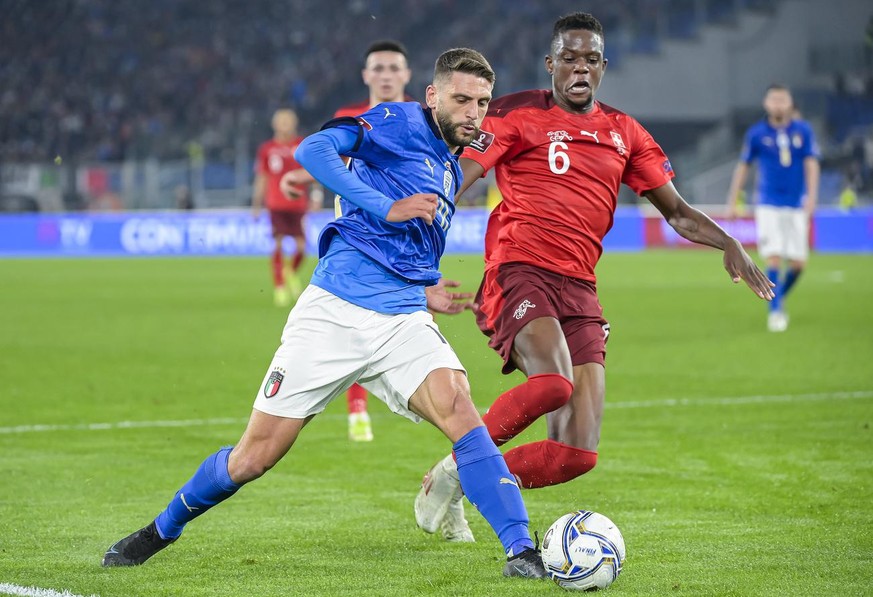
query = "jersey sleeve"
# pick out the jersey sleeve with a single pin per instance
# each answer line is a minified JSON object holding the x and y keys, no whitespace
{"x":383,"y":132}
{"x":810,"y":145}
{"x":497,"y":141}
{"x":320,"y":155}
{"x":648,"y":167}
{"x":749,"y":151}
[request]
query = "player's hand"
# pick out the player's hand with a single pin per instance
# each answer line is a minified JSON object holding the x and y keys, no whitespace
{"x":420,"y":205}
{"x":256,"y":213}
{"x":291,"y":181}
{"x":741,"y":267}
{"x":441,"y":300}
{"x":734,"y":212}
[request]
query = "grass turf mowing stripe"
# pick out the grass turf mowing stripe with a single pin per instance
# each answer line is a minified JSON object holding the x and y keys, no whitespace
{"x":669,"y":402}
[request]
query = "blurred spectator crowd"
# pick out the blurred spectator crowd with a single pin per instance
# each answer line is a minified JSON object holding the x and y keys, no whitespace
{"x":108,"y":80}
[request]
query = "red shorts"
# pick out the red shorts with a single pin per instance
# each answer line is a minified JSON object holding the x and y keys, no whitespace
{"x":514,"y":294}
{"x":286,"y":223}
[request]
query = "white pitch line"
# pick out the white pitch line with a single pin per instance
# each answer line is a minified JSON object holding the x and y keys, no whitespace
{"x":121,"y":425}
{"x":736,"y":400}
{"x":10,"y":589}
{"x":630,"y":404}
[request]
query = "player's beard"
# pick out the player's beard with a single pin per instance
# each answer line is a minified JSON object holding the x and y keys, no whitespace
{"x":450,"y":132}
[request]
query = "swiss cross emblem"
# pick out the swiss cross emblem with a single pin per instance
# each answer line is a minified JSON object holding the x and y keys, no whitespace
{"x":618,"y":142}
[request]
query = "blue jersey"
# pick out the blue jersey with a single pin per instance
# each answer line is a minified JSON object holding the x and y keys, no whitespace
{"x":780,"y":153}
{"x":397,"y":151}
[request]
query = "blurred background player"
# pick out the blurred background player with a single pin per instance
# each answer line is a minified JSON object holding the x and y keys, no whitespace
{"x":787,"y":192}
{"x":560,"y":157}
{"x":276,"y":157}
{"x":386,"y":73}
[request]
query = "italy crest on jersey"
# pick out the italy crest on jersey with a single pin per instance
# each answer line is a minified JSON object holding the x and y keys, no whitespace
{"x":447,"y":183}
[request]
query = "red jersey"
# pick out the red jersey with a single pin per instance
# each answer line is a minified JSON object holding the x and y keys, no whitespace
{"x":361,"y":107}
{"x":275,"y":159}
{"x":559,"y":174}
{"x":353,"y":109}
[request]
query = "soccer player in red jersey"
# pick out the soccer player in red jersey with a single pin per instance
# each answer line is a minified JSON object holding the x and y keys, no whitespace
{"x":275,"y":158}
{"x":559,"y":157}
{"x":386,"y":74}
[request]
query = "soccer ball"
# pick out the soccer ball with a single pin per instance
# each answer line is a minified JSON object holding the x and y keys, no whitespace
{"x":583,"y":551}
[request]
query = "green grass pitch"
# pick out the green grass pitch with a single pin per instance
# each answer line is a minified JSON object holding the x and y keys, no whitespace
{"x":735,"y":461}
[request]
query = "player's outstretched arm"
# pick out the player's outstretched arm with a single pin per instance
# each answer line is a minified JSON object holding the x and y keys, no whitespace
{"x":738,"y":181}
{"x":441,"y":300}
{"x":697,"y":227}
{"x":291,"y":182}
{"x":320,"y":153}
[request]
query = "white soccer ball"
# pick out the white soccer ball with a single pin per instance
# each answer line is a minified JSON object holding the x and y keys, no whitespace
{"x":583,"y":551}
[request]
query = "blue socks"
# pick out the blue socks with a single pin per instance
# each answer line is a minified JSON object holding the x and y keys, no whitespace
{"x":494,"y":491}
{"x":773,"y":276}
{"x":790,"y":278}
{"x":782,"y":288}
{"x":210,"y":485}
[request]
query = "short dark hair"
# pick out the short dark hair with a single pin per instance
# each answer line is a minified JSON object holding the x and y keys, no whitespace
{"x":463,"y":60}
{"x":386,"y":45}
{"x":574,"y":21}
{"x":777,"y":87}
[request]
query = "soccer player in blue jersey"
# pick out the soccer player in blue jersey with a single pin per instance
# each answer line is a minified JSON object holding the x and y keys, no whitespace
{"x":364,"y":316}
{"x":787,"y":193}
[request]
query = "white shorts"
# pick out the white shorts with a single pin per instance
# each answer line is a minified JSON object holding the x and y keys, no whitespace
{"x":782,"y":232}
{"x":328,"y":344}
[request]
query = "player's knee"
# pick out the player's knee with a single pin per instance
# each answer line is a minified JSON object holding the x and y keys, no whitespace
{"x":552,"y":390}
{"x":245,"y":467}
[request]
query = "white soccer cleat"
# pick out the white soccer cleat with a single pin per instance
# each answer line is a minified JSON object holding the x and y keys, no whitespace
{"x":777,"y":321}
{"x":441,"y":486}
{"x":454,"y":526}
{"x":281,"y":297}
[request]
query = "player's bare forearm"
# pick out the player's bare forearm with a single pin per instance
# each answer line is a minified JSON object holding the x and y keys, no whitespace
{"x":812,"y":175}
{"x":692,"y":224}
{"x":697,"y":227}
{"x":258,"y":192}
{"x":738,"y":181}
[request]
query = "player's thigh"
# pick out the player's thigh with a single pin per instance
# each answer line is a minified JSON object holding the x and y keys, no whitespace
{"x":540,"y":347}
{"x":796,"y":231}
{"x":320,"y":357}
{"x":769,"y":232}
{"x":443,"y":399}
{"x":520,"y":306}
{"x":407,"y":349}
{"x":578,"y":422}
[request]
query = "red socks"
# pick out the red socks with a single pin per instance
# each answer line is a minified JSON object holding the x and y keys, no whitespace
{"x":548,"y":462}
{"x":278,"y":274}
{"x":543,"y":463}
{"x":514,"y":410}
{"x":357,"y":397}
{"x":295,"y":261}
